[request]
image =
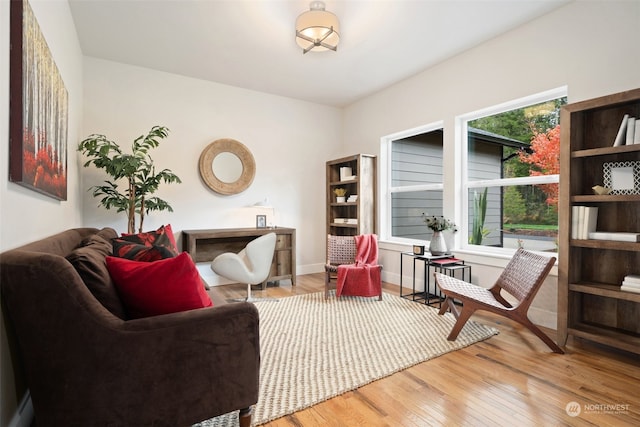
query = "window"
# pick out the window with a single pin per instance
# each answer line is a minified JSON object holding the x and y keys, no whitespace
{"x":510,"y":174}
{"x":413,"y":182}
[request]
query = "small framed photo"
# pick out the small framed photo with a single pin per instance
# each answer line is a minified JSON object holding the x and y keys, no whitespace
{"x":418,"y":250}
{"x":622,"y":177}
{"x":261,"y":221}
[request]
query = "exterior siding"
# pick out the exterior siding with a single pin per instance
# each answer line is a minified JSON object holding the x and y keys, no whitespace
{"x":415,"y":161}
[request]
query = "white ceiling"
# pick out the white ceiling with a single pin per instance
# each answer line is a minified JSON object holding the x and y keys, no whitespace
{"x":251,"y":43}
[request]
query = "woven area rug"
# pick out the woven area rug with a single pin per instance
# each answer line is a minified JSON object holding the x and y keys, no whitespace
{"x":313,"y":350}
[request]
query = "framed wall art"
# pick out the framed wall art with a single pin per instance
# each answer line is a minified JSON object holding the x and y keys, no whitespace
{"x":38,"y":109}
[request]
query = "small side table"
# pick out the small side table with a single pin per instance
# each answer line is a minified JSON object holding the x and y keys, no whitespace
{"x":427,"y":296}
{"x":445,"y":264}
{"x":450,"y":266}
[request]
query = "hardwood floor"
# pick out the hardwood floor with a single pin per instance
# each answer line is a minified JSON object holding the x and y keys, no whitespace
{"x":511,"y":379}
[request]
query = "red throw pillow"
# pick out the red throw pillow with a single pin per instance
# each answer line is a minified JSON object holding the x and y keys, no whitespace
{"x":153,"y":288}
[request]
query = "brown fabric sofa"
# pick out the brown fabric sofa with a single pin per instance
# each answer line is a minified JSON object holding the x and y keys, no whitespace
{"x":85,"y":366}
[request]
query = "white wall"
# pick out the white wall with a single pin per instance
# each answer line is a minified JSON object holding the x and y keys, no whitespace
{"x":290,"y":140}
{"x":592,"y":47}
{"x":24,"y":214}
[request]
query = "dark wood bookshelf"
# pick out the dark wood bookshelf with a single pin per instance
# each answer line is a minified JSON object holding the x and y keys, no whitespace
{"x":591,"y":304}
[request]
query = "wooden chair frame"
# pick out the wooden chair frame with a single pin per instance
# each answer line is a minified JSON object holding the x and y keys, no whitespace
{"x":521,"y":279}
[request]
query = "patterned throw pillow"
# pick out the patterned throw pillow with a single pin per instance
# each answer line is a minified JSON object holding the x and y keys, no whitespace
{"x":148,"y":246}
{"x":136,"y":252}
{"x":163,"y":236}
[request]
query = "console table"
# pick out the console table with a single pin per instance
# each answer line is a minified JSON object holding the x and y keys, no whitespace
{"x":205,"y":245}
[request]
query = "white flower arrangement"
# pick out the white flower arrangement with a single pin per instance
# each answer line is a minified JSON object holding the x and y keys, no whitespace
{"x":439,"y":223}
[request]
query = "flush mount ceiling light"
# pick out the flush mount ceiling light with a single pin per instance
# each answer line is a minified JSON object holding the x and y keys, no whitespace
{"x":317,"y":29}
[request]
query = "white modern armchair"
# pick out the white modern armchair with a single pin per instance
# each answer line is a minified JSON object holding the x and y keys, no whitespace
{"x":251,"y":265}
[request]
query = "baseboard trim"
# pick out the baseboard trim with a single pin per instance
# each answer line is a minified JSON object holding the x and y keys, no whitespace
{"x":24,"y":413}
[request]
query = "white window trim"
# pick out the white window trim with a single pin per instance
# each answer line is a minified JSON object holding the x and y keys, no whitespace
{"x":509,"y":182}
{"x":384,"y":213}
{"x":462,"y":189}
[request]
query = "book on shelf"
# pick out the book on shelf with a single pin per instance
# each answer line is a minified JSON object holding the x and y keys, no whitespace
{"x":615,"y":235}
{"x":632,"y":278}
{"x":631,"y":284}
{"x":575,"y":214}
{"x":590,"y":221}
{"x":621,"y":136}
{"x":630,"y":289}
{"x":351,"y":221}
{"x":581,"y":210}
{"x":631,"y":128}
{"x":583,"y":221}
{"x":636,"y":134}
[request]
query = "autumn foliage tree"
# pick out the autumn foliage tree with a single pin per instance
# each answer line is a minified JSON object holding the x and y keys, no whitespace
{"x":545,"y":160}
{"x":42,"y":166}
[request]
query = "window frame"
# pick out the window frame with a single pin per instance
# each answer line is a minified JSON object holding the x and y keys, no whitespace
{"x":462,"y":168}
{"x":386,"y":187}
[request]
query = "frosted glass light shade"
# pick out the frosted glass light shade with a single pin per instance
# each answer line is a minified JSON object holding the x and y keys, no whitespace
{"x":317,"y":29}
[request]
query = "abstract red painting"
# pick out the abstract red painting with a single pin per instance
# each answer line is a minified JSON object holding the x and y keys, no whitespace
{"x":38,"y":109}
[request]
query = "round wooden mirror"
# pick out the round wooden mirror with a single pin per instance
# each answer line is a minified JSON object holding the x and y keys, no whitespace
{"x":227,"y":166}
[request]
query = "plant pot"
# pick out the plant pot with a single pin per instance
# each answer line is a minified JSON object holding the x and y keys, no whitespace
{"x":341,"y":199}
{"x":437,"y":246}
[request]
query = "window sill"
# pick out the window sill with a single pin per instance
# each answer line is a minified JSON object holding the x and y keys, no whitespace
{"x":498,"y":260}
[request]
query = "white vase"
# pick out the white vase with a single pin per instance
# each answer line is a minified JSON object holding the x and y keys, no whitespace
{"x":449,"y":239}
{"x":340,"y":199}
{"x":437,"y":246}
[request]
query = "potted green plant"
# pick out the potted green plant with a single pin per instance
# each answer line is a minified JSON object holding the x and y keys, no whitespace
{"x":136,"y":168}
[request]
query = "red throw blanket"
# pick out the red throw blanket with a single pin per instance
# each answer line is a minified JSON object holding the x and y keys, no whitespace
{"x":363,"y":277}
